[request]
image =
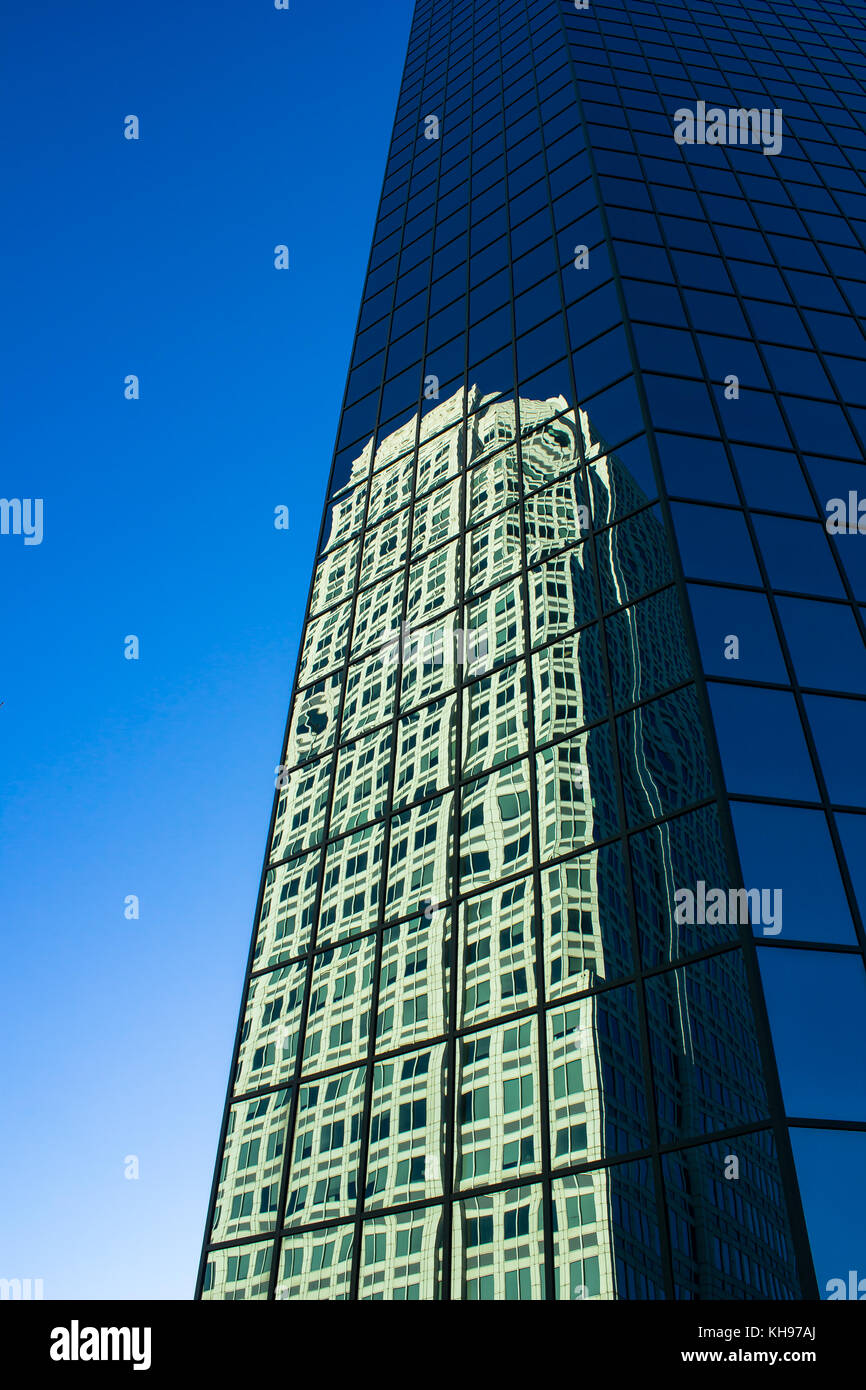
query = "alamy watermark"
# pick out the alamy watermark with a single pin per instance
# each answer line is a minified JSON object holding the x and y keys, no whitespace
{"x":726,"y":906}
{"x":77,"y":1343}
{"x":434,"y":646}
{"x":22,"y":1290}
{"x":852,"y":1290}
{"x":22,"y":517}
{"x":737,"y":126}
{"x":846,"y":516}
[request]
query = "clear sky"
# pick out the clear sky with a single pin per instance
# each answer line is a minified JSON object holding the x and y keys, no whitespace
{"x":155,"y":778}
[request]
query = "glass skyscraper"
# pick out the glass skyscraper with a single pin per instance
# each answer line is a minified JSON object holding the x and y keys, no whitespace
{"x":556,"y":988}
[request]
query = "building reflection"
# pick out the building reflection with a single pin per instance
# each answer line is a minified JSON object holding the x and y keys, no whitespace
{"x":496,"y":781}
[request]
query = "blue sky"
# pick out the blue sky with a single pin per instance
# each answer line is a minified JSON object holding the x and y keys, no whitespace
{"x":155,"y":777}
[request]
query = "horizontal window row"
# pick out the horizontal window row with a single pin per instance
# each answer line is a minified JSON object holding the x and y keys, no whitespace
{"x":605,"y":1234}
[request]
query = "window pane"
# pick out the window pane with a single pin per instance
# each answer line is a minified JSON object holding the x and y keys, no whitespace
{"x":736,"y":634}
{"x":839,"y":727}
{"x":835,"y":1209}
{"x":789,"y":852}
{"x":762,"y":744}
{"x":817,"y":1006}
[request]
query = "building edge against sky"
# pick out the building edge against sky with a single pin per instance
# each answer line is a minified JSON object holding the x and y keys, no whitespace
{"x":505,"y":1034}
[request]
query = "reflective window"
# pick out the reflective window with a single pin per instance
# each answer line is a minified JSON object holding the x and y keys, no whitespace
{"x":606,"y":1235}
{"x":705,"y":1053}
{"x":835,"y":1210}
{"x":787,"y":853}
{"x":819,"y":1044}
{"x":797,"y":556}
{"x":736,"y":634}
{"x":762,"y":744}
{"x":499,"y":1246}
{"x":838,"y":727}
{"x":826,"y":644}
{"x":714,"y":544}
{"x":714,"y":1193}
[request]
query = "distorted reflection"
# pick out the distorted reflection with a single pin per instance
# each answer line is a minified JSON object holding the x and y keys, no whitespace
{"x":497,"y":781}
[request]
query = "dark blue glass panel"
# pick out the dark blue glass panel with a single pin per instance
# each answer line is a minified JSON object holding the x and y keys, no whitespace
{"x":788,"y":850}
{"x":797,"y":556}
{"x":830,"y":1166}
{"x":677,"y":404}
{"x":736,"y":634}
{"x":490,"y":334}
{"x":821,"y":428}
{"x":715,"y":544}
{"x":817,"y":1006}
{"x":772,"y":480}
{"x":825,"y":643}
{"x":615,"y":415}
{"x":762,"y":744}
{"x":696,"y":468}
{"x":754,"y":418}
{"x":852,"y":830}
{"x":733,"y":356}
{"x":839,"y":729}
{"x":601,"y":363}
{"x":716,"y":313}
{"x":657,"y":303}
{"x":796,"y":370}
{"x":673,"y":346}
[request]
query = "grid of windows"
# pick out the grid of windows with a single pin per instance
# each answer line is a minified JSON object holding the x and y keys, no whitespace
{"x":581,"y":642}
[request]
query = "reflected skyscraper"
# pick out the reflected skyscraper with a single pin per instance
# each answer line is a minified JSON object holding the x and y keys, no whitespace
{"x":484,"y":1053}
{"x":440,"y":1024}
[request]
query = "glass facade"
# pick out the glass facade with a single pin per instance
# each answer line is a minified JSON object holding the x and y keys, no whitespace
{"x":557,"y":983}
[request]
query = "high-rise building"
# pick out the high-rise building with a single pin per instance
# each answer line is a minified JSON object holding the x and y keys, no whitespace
{"x":557,"y":986}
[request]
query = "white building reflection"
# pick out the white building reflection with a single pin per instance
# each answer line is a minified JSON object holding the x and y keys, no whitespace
{"x":426,"y":794}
